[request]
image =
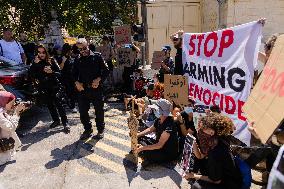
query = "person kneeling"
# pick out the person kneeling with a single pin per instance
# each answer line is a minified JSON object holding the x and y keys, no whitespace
{"x":164,"y":147}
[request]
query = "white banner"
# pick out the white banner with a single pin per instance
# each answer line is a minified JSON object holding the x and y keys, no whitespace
{"x":220,"y":67}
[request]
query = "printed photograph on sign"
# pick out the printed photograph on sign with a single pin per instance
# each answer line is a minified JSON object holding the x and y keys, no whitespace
{"x":158,"y":58}
{"x":186,"y":161}
{"x":122,"y":35}
{"x":176,"y":89}
{"x":125,"y":57}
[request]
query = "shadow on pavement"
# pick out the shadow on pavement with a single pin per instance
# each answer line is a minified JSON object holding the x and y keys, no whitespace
{"x":2,"y":167}
{"x":69,"y":152}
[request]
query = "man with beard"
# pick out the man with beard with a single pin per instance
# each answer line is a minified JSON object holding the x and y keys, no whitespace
{"x":90,"y":71}
{"x":177,"y":41}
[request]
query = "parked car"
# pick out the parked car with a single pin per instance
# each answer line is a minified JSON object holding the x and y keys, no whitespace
{"x":15,"y":79}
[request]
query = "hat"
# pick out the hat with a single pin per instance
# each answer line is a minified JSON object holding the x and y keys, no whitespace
{"x":166,"y":48}
{"x":164,"y":107}
{"x":150,"y":86}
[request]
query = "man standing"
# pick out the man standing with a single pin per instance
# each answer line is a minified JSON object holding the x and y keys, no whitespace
{"x":177,"y":41}
{"x":29,"y":47}
{"x":11,"y":50}
{"x":89,"y":73}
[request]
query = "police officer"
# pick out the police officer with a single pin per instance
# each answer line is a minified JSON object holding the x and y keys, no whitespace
{"x":90,"y":71}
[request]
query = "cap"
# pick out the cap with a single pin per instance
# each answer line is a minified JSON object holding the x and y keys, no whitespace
{"x":164,"y":107}
{"x":166,"y":48}
{"x":150,"y":86}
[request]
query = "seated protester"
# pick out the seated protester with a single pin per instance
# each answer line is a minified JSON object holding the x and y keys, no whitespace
{"x":165,"y":147}
{"x":219,"y":168}
{"x":9,"y":118}
{"x":168,"y":65}
{"x":184,"y":123}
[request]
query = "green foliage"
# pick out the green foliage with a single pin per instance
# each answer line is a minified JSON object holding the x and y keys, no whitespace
{"x":87,"y":17}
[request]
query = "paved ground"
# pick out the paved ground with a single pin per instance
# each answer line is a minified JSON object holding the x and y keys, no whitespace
{"x":51,"y":159}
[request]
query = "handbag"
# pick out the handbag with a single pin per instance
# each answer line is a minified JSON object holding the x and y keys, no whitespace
{"x":6,"y":144}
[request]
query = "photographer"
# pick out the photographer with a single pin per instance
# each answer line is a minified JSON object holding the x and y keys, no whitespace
{"x":9,"y":118}
{"x":46,"y":73}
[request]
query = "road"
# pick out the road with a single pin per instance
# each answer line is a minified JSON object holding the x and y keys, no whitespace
{"x":50,"y":159}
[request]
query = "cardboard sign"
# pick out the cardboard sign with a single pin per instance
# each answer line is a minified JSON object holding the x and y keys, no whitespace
{"x":105,"y":51}
{"x":185,"y":163}
{"x":176,"y":89}
{"x":122,"y":35}
{"x":133,"y":124}
{"x":266,"y":102}
{"x":125,"y":57}
{"x":158,"y":58}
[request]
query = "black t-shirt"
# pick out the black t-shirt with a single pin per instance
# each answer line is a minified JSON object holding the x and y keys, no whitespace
{"x":171,"y":146}
{"x":188,"y":124}
{"x":221,"y":166}
{"x":178,"y":63}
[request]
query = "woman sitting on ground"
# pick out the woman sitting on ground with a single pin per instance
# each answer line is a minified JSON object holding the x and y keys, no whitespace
{"x":164,"y":147}
{"x":220,"y":170}
{"x":9,"y":118}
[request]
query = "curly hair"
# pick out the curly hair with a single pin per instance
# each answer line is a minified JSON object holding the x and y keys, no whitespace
{"x":222,"y":125}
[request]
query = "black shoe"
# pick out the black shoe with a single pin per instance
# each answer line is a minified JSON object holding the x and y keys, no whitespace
{"x":66,"y":128}
{"x":99,"y":136}
{"x":86,"y":135}
{"x":54,"y":124}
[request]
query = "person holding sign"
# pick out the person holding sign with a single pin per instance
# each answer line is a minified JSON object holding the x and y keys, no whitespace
{"x":167,"y":66}
{"x":165,"y":147}
{"x":90,"y":71}
{"x":177,"y":41}
{"x":220,"y":170}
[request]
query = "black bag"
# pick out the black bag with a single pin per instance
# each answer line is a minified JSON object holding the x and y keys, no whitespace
{"x":6,"y":144}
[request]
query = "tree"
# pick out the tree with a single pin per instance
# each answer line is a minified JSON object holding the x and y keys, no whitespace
{"x":78,"y":17}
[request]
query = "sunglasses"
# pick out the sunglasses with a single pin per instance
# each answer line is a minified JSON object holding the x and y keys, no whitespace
{"x":175,"y":39}
{"x":82,"y":49}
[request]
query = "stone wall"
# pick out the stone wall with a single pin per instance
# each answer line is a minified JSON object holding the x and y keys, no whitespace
{"x":210,"y":15}
{"x":242,"y":11}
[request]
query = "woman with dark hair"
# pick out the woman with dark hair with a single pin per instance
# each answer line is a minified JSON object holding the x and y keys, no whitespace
{"x":66,"y":67}
{"x":46,"y":72}
{"x":219,"y":170}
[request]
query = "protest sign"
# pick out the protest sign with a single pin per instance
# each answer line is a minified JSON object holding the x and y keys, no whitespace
{"x":176,"y":89}
{"x":122,"y":35}
{"x":266,"y":102}
{"x":220,"y":67}
{"x":158,"y":58}
{"x":133,"y":124}
{"x":186,"y":160}
{"x":105,"y":51}
{"x":125,"y":57}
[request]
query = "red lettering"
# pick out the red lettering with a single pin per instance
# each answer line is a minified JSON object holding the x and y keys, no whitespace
{"x":269,"y":78}
{"x":221,"y":102}
{"x":207,"y":101}
{"x":200,"y":38}
{"x":212,"y":36}
{"x":229,"y":100}
{"x":229,"y":35}
{"x":240,"y":110}
{"x":280,"y":81}
{"x":198,"y":92}
{"x":192,"y":45}
{"x":191,"y":85}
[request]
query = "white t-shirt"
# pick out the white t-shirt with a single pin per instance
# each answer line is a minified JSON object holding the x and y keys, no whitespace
{"x":11,"y":50}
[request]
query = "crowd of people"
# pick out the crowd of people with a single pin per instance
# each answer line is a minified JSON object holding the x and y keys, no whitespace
{"x":75,"y":74}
